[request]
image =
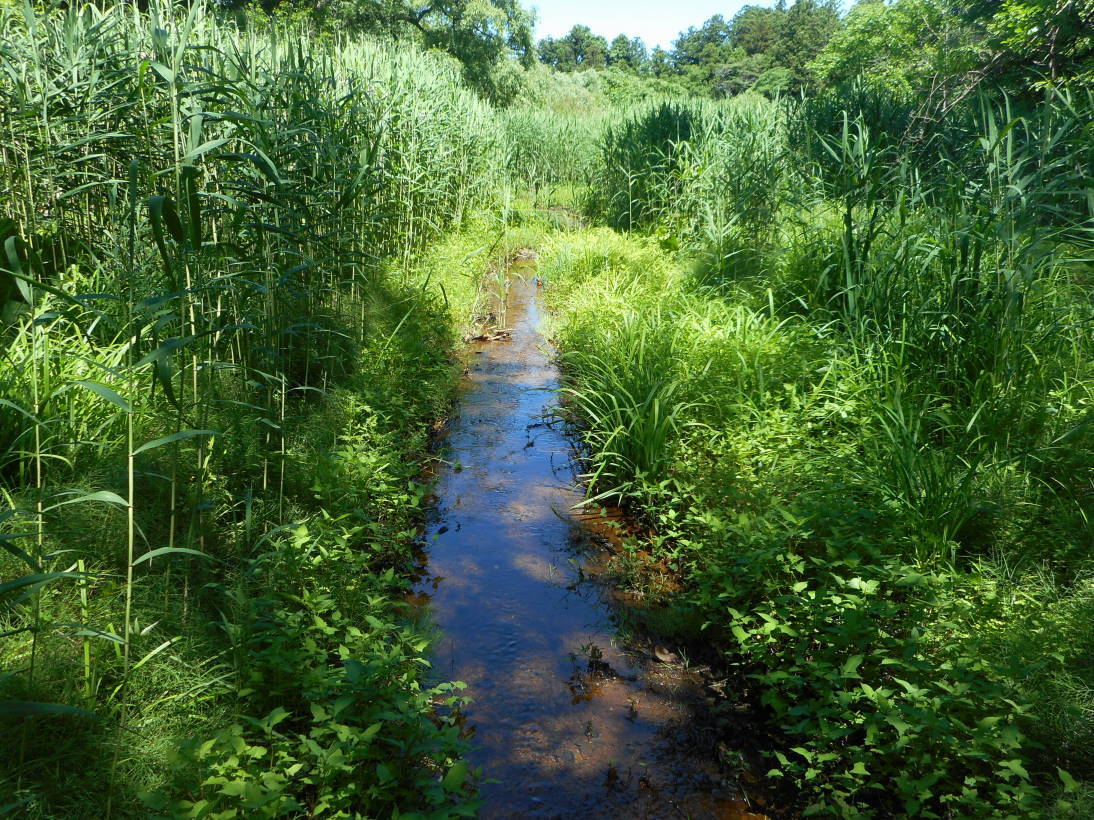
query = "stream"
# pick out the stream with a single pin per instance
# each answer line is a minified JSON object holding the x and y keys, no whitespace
{"x":566,"y":720}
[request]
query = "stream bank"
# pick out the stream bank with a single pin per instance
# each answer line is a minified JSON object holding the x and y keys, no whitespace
{"x":566,"y":719}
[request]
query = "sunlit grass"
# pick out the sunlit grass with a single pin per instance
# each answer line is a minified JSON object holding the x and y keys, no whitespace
{"x":221,"y":350}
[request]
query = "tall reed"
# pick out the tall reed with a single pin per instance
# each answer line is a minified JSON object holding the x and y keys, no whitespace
{"x":197,"y":222}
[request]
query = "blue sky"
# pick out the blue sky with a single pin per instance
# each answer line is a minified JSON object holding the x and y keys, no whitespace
{"x":656,"y":21}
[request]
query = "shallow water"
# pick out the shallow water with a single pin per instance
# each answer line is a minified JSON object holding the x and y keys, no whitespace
{"x":566,"y":721}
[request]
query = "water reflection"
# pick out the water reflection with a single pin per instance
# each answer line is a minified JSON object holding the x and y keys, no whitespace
{"x":567,"y":722}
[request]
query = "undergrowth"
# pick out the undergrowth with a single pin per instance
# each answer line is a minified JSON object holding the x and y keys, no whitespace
{"x":842,"y":368}
{"x":223,"y":344}
{"x":284,"y":679}
{"x":921,"y":648}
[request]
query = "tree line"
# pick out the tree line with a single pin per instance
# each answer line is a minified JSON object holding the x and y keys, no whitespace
{"x":789,"y":48}
{"x":810,"y":45}
{"x":763,"y":48}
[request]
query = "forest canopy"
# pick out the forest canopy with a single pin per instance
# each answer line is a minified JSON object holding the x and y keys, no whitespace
{"x":481,"y":34}
{"x":811,"y":45}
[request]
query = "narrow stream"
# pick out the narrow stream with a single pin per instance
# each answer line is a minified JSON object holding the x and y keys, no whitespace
{"x":566,"y":721}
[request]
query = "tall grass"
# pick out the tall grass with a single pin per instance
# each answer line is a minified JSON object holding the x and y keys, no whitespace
{"x":928,"y":421}
{"x":547,"y":148}
{"x":960,"y":277}
{"x":201,"y":229}
{"x":680,"y":164}
{"x":630,"y":406}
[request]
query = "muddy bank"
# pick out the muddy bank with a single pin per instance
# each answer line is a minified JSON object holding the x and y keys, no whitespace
{"x":566,"y":720}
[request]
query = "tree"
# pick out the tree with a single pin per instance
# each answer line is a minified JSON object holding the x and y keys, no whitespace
{"x":704,"y":56}
{"x":629,"y":54}
{"x":903,"y":46}
{"x":806,"y":28}
{"x":755,"y":29}
{"x":1033,"y":41}
{"x":578,"y":50}
{"x":704,"y":46}
{"x":772,"y":82}
{"x":660,"y":62}
{"x":481,"y":34}
{"x":738,"y":74}
{"x":556,"y":53}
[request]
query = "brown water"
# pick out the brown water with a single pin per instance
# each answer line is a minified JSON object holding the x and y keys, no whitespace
{"x":567,"y":721}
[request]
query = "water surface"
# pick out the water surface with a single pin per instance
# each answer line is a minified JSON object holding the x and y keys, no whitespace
{"x":566,"y":721}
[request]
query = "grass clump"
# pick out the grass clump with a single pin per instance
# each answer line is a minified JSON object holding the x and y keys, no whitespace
{"x":222,"y":353}
{"x":873,"y":571}
{"x":872,"y":344}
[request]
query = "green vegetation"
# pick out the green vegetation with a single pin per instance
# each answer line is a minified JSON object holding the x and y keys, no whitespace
{"x":858,"y":421}
{"x":942,"y":51}
{"x":829,"y":339}
{"x":488,"y":40}
{"x":222,"y":352}
{"x":764,"y":49}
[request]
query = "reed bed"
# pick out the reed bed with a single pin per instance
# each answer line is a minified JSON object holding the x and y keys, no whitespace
{"x":210,"y":307}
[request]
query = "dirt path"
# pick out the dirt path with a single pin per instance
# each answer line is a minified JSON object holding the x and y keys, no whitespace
{"x":567,"y":722}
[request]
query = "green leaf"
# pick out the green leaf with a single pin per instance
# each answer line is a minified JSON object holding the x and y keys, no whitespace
{"x":171,"y":439}
{"x":91,"y":632}
{"x":156,"y":553}
{"x":851,"y":665}
{"x":161,"y":212}
{"x":1016,"y":767}
{"x":1075,"y":431}
{"x":105,"y":496}
{"x":7,"y":546}
{"x":275,"y":717}
{"x":38,"y":578}
{"x":162,"y":370}
{"x":455,"y":778}
{"x":262,"y":162}
{"x":9,"y":808}
{"x":898,"y":724}
{"x":18,"y":409}
{"x":28,"y":707}
{"x":163,"y":72}
{"x":1070,"y":783}
{"x":233,"y":788}
{"x":152,"y":653}
{"x":11,"y":249}
{"x":383,"y":772}
{"x":204,"y":148}
{"x":911,"y":579}
{"x":371,"y":731}
{"x":106,"y":393}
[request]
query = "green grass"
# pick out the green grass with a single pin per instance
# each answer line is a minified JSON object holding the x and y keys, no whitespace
{"x":843,"y":370}
{"x":223,"y":347}
{"x":841,"y":366}
{"x":845,"y":551}
{"x":876,"y":485}
{"x":271,"y":625}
